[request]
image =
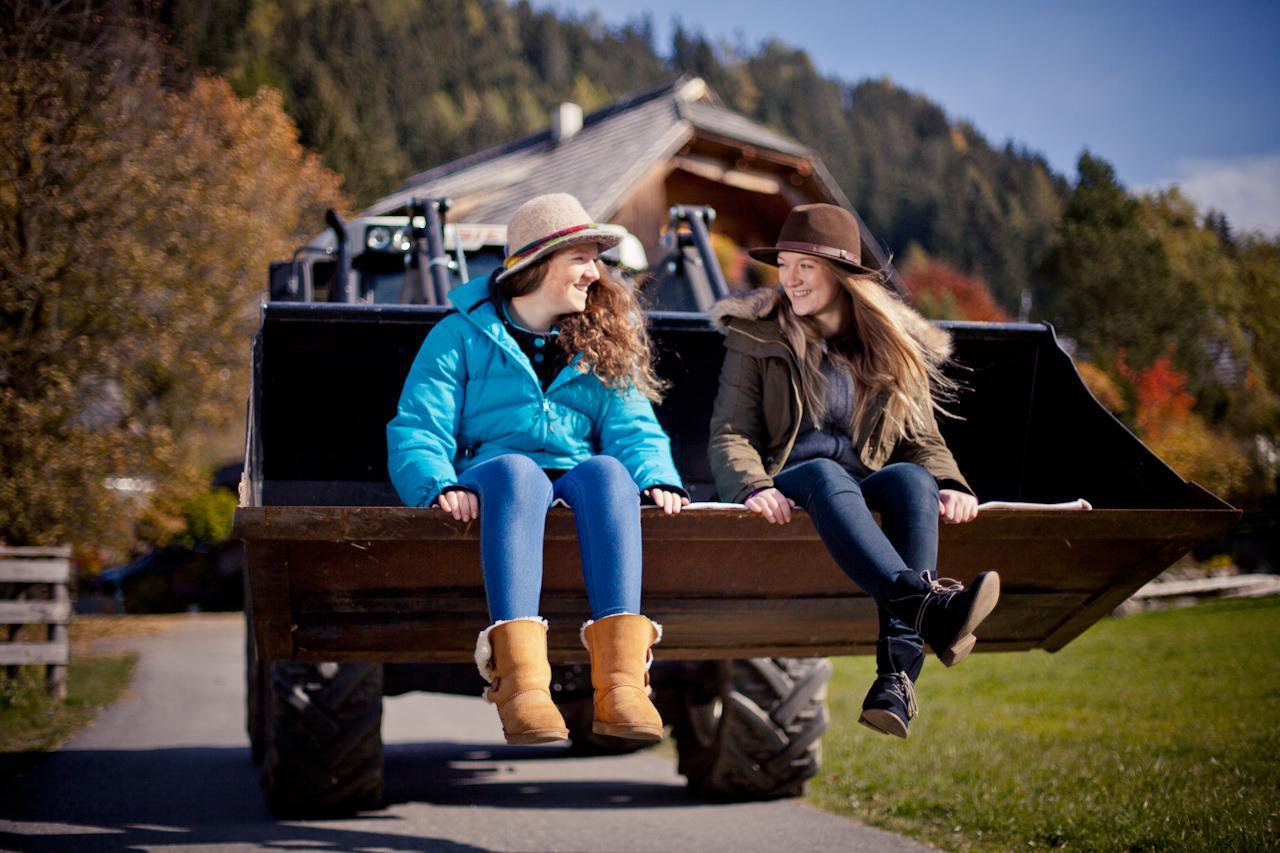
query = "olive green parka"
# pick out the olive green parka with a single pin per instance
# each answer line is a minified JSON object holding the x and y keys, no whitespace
{"x":759,"y":409}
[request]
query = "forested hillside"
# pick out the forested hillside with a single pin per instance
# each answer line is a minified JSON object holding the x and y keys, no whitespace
{"x":384,"y":89}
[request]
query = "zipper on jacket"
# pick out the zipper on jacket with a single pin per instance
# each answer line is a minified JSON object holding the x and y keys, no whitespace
{"x":510,"y":349}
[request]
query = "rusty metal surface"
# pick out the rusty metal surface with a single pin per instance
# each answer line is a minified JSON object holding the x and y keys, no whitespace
{"x":403,"y":584}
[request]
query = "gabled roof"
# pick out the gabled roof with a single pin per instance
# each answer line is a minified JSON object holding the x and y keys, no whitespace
{"x":616,"y":147}
{"x":725,"y":123}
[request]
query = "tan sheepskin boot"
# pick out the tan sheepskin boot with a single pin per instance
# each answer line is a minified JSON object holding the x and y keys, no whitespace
{"x":512,"y":657}
{"x":620,"y":648}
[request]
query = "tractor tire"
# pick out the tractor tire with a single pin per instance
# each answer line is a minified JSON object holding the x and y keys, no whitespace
{"x":578,"y":712}
{"x":759,"y":735}
{"x":323,"y":750}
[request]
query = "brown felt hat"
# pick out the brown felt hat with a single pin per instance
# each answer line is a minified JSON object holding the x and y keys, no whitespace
{"x":821,"y":230}
{"x":549,"y":223}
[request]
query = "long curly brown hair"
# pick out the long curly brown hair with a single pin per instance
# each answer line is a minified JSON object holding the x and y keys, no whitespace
{"x":611,"y":333}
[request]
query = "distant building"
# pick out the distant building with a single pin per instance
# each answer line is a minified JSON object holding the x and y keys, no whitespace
{"x":631,"y":161}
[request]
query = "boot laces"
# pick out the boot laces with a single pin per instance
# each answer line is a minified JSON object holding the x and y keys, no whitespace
{"x":901,"y":686}
{"x":941,"y":590}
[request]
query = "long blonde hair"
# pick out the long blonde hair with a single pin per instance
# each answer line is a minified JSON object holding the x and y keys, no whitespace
{"x":882,"y":356}
{"x":611,"y":333}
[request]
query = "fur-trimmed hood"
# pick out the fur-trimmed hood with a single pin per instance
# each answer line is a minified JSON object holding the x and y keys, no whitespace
{"x":760,"y":305}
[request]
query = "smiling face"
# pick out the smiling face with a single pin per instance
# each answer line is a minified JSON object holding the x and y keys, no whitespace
{"x":569,"y":276}
{"x":554,"y":287}
{"x":812,"y":288}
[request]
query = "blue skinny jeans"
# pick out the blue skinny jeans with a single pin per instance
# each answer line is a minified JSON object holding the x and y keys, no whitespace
{"x":515,"y":494}
{"x":906,"y":540}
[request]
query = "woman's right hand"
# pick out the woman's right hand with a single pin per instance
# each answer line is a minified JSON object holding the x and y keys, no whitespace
{"x":772,"y":504}
{"x":460,"y":503}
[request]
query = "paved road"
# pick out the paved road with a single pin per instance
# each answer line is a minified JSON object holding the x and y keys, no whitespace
{"x":168,"y":768}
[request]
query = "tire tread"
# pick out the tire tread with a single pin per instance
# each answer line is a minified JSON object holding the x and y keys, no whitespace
{"x":767,"y":741}
{"x":323,"y":754}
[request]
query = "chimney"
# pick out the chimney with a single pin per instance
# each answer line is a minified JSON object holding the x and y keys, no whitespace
{"x":566,"y":121}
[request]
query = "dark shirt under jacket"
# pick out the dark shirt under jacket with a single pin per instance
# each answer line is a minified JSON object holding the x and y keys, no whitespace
{"x":831,"y":440}
{"x":541,"y":348}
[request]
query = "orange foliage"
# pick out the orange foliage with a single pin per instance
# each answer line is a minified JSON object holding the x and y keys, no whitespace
{"x":137,"y":238}
{"x":1198,"y":452}
{"x":1166,"y":423}
{"x":943,"y":293}
{"x":1162,"y":398}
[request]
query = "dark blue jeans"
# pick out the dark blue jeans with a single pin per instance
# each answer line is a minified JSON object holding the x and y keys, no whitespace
{"x":840,"y":505}
{"x":514,"y":497}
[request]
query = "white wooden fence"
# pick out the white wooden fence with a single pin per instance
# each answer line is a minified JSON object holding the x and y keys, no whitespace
{"x":33,"y":583}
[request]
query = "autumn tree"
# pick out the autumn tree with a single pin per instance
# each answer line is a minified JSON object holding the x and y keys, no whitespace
{"x":1174,"y":312}
{"x":941,"y":292}
{"x":137,"y":217}
{"x":1165,"y":420}
{"x":1259,"y":274}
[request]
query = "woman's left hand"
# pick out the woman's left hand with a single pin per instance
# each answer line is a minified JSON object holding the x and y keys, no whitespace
{"x":957,"y":507}
{"x":669,"y":502}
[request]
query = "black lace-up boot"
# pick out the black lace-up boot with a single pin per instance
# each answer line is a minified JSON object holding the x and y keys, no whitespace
{"x":891,"y":702}
{"x":944,"y":612}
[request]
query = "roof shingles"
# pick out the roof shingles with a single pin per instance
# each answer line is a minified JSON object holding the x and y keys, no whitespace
{"x":615,"y":148}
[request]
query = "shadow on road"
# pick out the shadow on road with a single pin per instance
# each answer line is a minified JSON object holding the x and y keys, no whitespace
{"x":472,"y":774}
{"x":135,"y":799}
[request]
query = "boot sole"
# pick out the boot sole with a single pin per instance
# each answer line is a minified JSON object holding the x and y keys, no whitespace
{"x":538,"y":736}
{"x":958,"y":651}
{"x":986,"y":594}
{"x":644,"y":733}
{"x":884,"y":722}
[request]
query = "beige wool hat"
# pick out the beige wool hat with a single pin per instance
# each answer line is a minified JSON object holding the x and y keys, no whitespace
{"x":548,"y":223}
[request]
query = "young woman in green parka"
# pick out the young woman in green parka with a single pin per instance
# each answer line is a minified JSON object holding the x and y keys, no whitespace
{"x":538,"y":388}
{"x":826,"y":401}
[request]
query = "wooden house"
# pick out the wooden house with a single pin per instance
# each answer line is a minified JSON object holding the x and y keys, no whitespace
{"x":630,"y":162}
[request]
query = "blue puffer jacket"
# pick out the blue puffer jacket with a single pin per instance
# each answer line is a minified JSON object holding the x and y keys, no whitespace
{"x":472,"y":395}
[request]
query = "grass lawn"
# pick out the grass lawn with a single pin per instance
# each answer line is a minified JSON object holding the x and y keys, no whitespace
{"x":1157,"y":731}
{"x":31,"y":722}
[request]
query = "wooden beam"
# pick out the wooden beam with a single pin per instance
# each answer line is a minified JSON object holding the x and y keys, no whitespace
{"x":742,"y":179}
{"x":35,"y":551}
{"x":34,"y":612}
{"x":21,"y":654}
{"x":56,"y":676}
{"x":35,"y":571}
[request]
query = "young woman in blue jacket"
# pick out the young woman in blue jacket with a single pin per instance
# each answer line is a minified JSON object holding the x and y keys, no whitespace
{"x":540,"y":387}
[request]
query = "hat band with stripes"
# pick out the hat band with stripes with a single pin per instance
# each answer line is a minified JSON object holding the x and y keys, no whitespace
{"x":544,"y":243}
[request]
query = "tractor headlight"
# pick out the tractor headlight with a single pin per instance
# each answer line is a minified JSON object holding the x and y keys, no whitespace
{"x":378,"y":238}
{"x":401,"y":240}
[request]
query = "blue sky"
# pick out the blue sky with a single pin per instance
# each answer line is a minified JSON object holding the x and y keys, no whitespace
{"x":1167,"y":92}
